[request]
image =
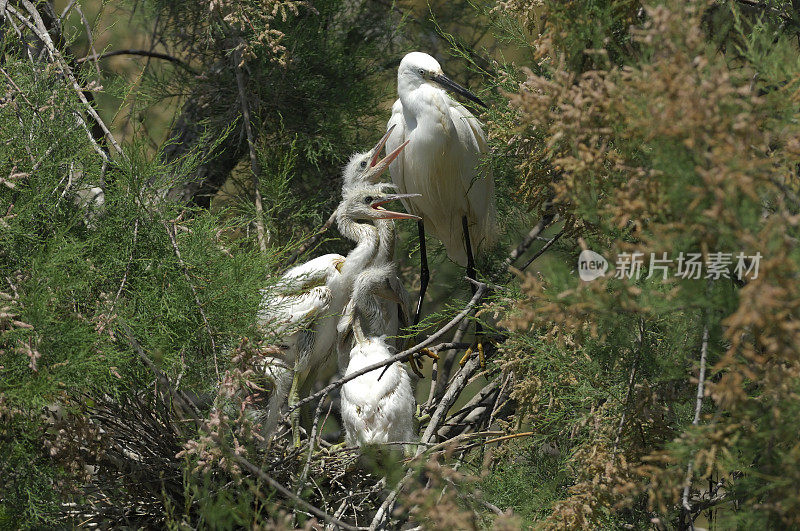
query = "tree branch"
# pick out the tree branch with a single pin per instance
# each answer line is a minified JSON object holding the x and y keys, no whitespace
{"x":144,"y":53}
{"x":255,"y":164}
{"x":398,"y":357}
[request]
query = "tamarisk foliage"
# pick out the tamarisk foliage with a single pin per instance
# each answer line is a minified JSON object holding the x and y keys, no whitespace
{"x":658,"y":128}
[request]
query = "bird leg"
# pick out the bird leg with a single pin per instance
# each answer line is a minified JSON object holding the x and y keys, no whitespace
{"x":471,"y":275}
{"x":470,"y":257}
{"x":424,"y":274}
{"x":294,"y":395}
{"x":424,"y":277}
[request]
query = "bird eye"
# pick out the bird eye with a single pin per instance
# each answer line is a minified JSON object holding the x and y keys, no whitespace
{"x":363,"y":163}
{"x":422,"y":72}
{"x":368,"y":199}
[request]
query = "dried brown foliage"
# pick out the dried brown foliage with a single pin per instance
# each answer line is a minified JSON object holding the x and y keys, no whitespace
{"x":679,"y":147}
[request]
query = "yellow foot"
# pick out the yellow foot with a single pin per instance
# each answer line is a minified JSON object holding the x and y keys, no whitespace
{"x":412,"y":362}
{"x":481,"y":357}
{"x":334,"y":448}
{"x":431,"y":354}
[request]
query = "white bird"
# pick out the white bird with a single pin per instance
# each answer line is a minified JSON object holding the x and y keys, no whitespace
{"x":294,"y":317}
{"x":364,"y":169}
{"x":440,"y":163}
{"x":305,"y":313}
{"x":377,"y":407}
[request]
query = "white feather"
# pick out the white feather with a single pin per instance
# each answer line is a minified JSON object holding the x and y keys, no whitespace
{"x":376,"y":410}
{"x":441,"y":160}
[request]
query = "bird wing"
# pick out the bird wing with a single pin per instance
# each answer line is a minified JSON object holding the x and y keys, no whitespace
{"x":398,"y":136}
{"x":300,"y":296}
{"x":403,"y":300}
{"x":286,"y":314}
{"x":310,"y":274}
{"x":478,"y":188}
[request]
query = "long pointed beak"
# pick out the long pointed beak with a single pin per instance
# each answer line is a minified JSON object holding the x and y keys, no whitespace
{"x":376,"y":151}
{"x":388,"y":214}
{"x":374,"y":173}
{"x":448,"y":83}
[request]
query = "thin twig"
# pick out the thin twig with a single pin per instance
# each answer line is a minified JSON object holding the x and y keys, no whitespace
{"x":41,"y":32}
{"x":255,"y":164}
{"x":439,"y":384}
{"x":19,"y":91}
{"x":631,"y":378}
{"x":311,"y":241}
{"x":143,"y":53}
{"x":66,"y":10}
{"x":89,"y":38}
{"x":289,"y":494}
{"x":547,"y":220}
{"x":544,"y":248}
{"x":697,"y":408}
{"x":311,"y":439}
{"x":127,"y":266}
{"x":181,"y":400}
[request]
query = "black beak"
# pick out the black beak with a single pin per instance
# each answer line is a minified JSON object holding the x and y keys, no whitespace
{"x":449,"y":84}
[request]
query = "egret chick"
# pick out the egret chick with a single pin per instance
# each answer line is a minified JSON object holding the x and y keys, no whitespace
{"x":376,"y":409}
{"x":305,"y":313}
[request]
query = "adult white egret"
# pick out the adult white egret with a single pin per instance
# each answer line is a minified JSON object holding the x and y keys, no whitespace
{"x":376,"y":407}
{"x":311,"y":296}
{"x":440,"y":163}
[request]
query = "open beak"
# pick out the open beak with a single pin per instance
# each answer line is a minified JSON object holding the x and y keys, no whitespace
{"x":449,"y":84}
{"x":377,"y":167}
{"x":388,"y":214}
{"x":376,"y":151}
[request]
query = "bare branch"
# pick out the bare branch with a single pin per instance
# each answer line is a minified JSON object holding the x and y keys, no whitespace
{"x":255,"y":164}
{"x":397,"y":357}
{"x":144,"y":53}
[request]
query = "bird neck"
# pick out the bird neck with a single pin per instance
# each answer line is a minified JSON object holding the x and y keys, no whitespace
{"x":366,"y":237}
{"x":386,"y":241}
{"x":416,"y":96}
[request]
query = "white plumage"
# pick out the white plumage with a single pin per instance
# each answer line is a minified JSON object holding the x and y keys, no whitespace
{"x":294,"y":318}
{"x":377,"y":411}
{"x":363,"y":171}
{"x":440,"y":162}
{"x":303,"y":316}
